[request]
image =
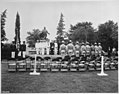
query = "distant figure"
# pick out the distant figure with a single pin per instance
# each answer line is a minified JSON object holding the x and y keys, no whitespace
{"x":113,"y":52}
{"x":48,"y":48}
{"x":83,"y":49}
{"x":13,"y":50}
{"x":37,"y":47}
{"x":23,"y":49}
{"x":52,"y":48}
{"x":70,"y":48}
{"x":96,"y":49}
{"x":92,"y":49}
{"x":77,"y":49}
{"x":63,"y":49}
{"x":99,"y":49}
{"x":56,"y":47}
{"x":88,"y":49}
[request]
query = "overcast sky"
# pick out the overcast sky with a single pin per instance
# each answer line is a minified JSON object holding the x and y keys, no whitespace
{"x":39,"y":14}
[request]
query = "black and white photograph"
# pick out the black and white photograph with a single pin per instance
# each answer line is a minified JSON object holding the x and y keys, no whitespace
{"x":59,"y":46}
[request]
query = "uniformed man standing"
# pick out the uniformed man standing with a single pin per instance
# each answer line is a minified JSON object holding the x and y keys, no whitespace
{"x":77,"y":48}
{"x":88,"y":49}
{"x":99,"y":49}
{"x":56,"y":47}
{"x":23,"y":50}
{"x":13,"y":50}
{"x":96,"y":49}
{"x":48,"y":48}
{"x":70,"y":48}
{"x":92,"y":49}
{"x":19,"y":51}
{"x":83,"y":49}
{"x":63,"y":49}
{"x":113,"y":52}
{"x":37,"y":47}
{"x":52,"y":46}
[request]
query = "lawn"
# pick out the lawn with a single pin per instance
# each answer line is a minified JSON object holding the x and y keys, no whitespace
{"x":58,"y":82}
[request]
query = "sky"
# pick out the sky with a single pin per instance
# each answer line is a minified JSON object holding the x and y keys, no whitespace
{"x":36,"y":14}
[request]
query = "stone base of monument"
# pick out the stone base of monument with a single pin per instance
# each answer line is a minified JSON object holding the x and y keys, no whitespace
{"x":34,"y":73}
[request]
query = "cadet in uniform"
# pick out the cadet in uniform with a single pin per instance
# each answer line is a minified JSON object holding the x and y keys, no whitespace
{"x":23,"y":49}
{"x":56,"y":47}
{"x":83,"y":49}
{"x":88,"y":49}
{"x":63,"y":49}
{"x":99,"y":49}
{"x":37,"y":45}
{"x":70,"y":48}
{"x":13,"y":50}
{"x":52,"y":46}
{"x":92,"y":49}
{"x":96,"y":49}
{"x":77,"y":48}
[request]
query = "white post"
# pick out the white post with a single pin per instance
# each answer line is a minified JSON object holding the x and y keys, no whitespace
{"x":102,"y":68}
{"x":34,"y":71}
{"x":47,"y":50}
{"x":13,"y":54}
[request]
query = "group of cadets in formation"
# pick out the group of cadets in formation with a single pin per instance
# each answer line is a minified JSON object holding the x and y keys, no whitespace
{"x":81,"y":50}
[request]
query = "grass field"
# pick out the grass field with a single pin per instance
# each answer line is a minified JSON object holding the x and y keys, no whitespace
{"x":59,"y":82}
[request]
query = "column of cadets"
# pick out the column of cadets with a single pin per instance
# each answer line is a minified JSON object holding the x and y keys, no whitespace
{"x":80,"y":49}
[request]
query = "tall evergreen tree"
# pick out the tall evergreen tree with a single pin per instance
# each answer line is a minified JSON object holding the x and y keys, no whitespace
{"x":3,"y":20}
{"x":17,"y":30}
{"x":60,"y":28}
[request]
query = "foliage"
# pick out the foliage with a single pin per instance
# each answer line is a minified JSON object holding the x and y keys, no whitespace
{"x":3,"y":20}
{"x":108,"y":35}
{"x":82,"y":32}
{"x":36,"y":35}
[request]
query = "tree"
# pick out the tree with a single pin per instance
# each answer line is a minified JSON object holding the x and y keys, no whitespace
{"x":3,"y":20}
{"x":36,"y":35}
{"x":17,"y":30}
{"x":60,"y":29}
{"x":82,"y":32}
{"x":108,"y":35}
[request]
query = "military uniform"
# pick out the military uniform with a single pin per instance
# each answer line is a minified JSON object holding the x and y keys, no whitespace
{"x":99,"y":49}
{"x":92,"y":49}
{"x":13,"y":50}
{"x":63,"y":49}
{"x":56,"y":48}
{"x":52,"y":46}
{"x":77,"y":48}
{"x":88,"y":49}
{"x":70,"y":49}
{"x":96,"y":49}
{"x":83,"y":49}
{"x":23,"y":49}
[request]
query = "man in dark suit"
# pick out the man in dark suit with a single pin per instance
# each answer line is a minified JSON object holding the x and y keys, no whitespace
{"x":52,"y":46}
{"x":23,"y":50}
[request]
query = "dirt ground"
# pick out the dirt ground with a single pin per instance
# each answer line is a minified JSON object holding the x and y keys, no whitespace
{"x":58,"y":82}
